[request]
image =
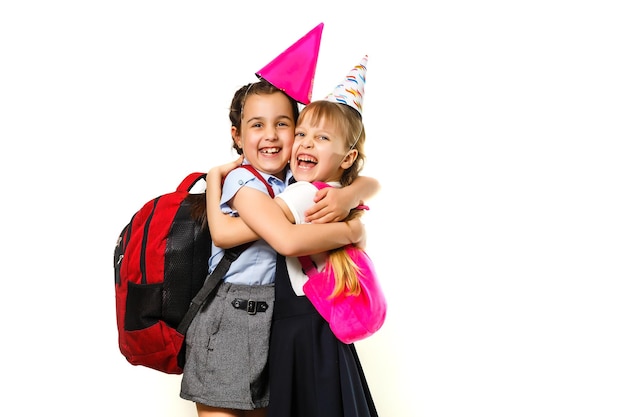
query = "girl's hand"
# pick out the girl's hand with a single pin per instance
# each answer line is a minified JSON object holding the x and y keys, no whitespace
{"x":216,"y":175}
{"x":359,"y":236}
{"x":223,"y":170}
{"x":331,"y":205}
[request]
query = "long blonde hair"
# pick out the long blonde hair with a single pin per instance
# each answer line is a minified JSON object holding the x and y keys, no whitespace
{"x":350,"y":125}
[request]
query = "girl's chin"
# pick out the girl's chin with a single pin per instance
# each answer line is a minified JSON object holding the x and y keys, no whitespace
{"x":305,"y":174}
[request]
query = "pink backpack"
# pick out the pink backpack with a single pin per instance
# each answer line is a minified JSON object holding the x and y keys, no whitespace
{"x":351,"y":318}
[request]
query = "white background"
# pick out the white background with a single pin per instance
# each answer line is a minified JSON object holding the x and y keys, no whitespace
{"x":496,"y":128}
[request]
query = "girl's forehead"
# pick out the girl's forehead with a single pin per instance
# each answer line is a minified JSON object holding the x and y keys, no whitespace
{"x":263,"y":98}
{"x":317,"y":121}
{"x":267,"y":105}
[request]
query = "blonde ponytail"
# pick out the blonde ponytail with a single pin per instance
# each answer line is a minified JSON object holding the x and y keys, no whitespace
{"x":344,"y":269}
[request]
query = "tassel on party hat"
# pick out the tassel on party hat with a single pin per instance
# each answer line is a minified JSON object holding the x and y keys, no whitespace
{"x":293,"y":71}
{"x":351,"y":90}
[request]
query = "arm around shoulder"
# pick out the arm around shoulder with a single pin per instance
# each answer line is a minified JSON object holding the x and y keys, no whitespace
{"x":334,"y":204}
{"x":267,"y":219}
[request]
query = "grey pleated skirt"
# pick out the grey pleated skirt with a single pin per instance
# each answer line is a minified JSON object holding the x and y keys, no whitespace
{"x":226,"y":361}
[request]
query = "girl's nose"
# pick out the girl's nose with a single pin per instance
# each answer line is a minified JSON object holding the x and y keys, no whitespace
{"x":271,"y":133}
{"x":306,"y":143}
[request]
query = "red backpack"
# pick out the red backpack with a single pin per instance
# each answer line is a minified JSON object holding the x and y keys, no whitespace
{"x":161,"y":265}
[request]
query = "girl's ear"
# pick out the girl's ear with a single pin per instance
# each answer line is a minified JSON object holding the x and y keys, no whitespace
{"x":349,"y":159}
{"x":234,"y":133}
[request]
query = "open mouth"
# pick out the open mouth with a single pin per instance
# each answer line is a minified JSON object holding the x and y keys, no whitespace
{"x":269,"y":151}
{"x":306,"y":161}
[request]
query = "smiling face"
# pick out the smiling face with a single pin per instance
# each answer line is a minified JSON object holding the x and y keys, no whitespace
{"x":267,"y":132}
{"x":320,"y":151}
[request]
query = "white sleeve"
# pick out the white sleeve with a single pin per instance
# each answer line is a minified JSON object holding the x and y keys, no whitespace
{"x":298,"y":197}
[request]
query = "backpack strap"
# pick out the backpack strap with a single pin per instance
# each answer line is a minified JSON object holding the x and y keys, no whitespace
{"x":210,"y":284}
{"x":259,"y":176}
{"x":191,"y":180}
{"x":230,"y":255}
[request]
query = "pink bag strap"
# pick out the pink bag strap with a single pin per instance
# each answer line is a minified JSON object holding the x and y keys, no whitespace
{"x":305,"y":261}
{"x":307,"y":265}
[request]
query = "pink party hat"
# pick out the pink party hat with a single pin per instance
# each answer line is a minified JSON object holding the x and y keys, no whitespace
{"x":351,"y":90}
{"x":293,"y":71}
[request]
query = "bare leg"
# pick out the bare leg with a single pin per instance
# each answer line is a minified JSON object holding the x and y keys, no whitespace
{"x":259,"y":412}
{"x":208,"y":411}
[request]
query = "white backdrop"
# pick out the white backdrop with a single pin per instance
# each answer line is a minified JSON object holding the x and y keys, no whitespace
{"x":496,"y":129}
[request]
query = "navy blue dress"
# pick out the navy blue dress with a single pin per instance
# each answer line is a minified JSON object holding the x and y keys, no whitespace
{"x":311,"y":372}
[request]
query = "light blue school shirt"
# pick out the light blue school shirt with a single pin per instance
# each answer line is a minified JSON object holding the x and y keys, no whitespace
{"x":257,"y":264}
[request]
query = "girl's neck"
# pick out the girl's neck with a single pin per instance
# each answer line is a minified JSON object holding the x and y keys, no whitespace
{"x":281,"y":175}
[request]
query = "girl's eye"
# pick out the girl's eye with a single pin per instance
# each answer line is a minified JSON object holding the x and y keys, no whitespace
{"x":299,"y":134}
{"x":324,"y":138}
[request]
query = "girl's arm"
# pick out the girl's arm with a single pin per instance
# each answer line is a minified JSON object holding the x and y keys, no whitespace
{"x":334,"y":204}
{"x":226,"y":231}
{"x":266,"y":218}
